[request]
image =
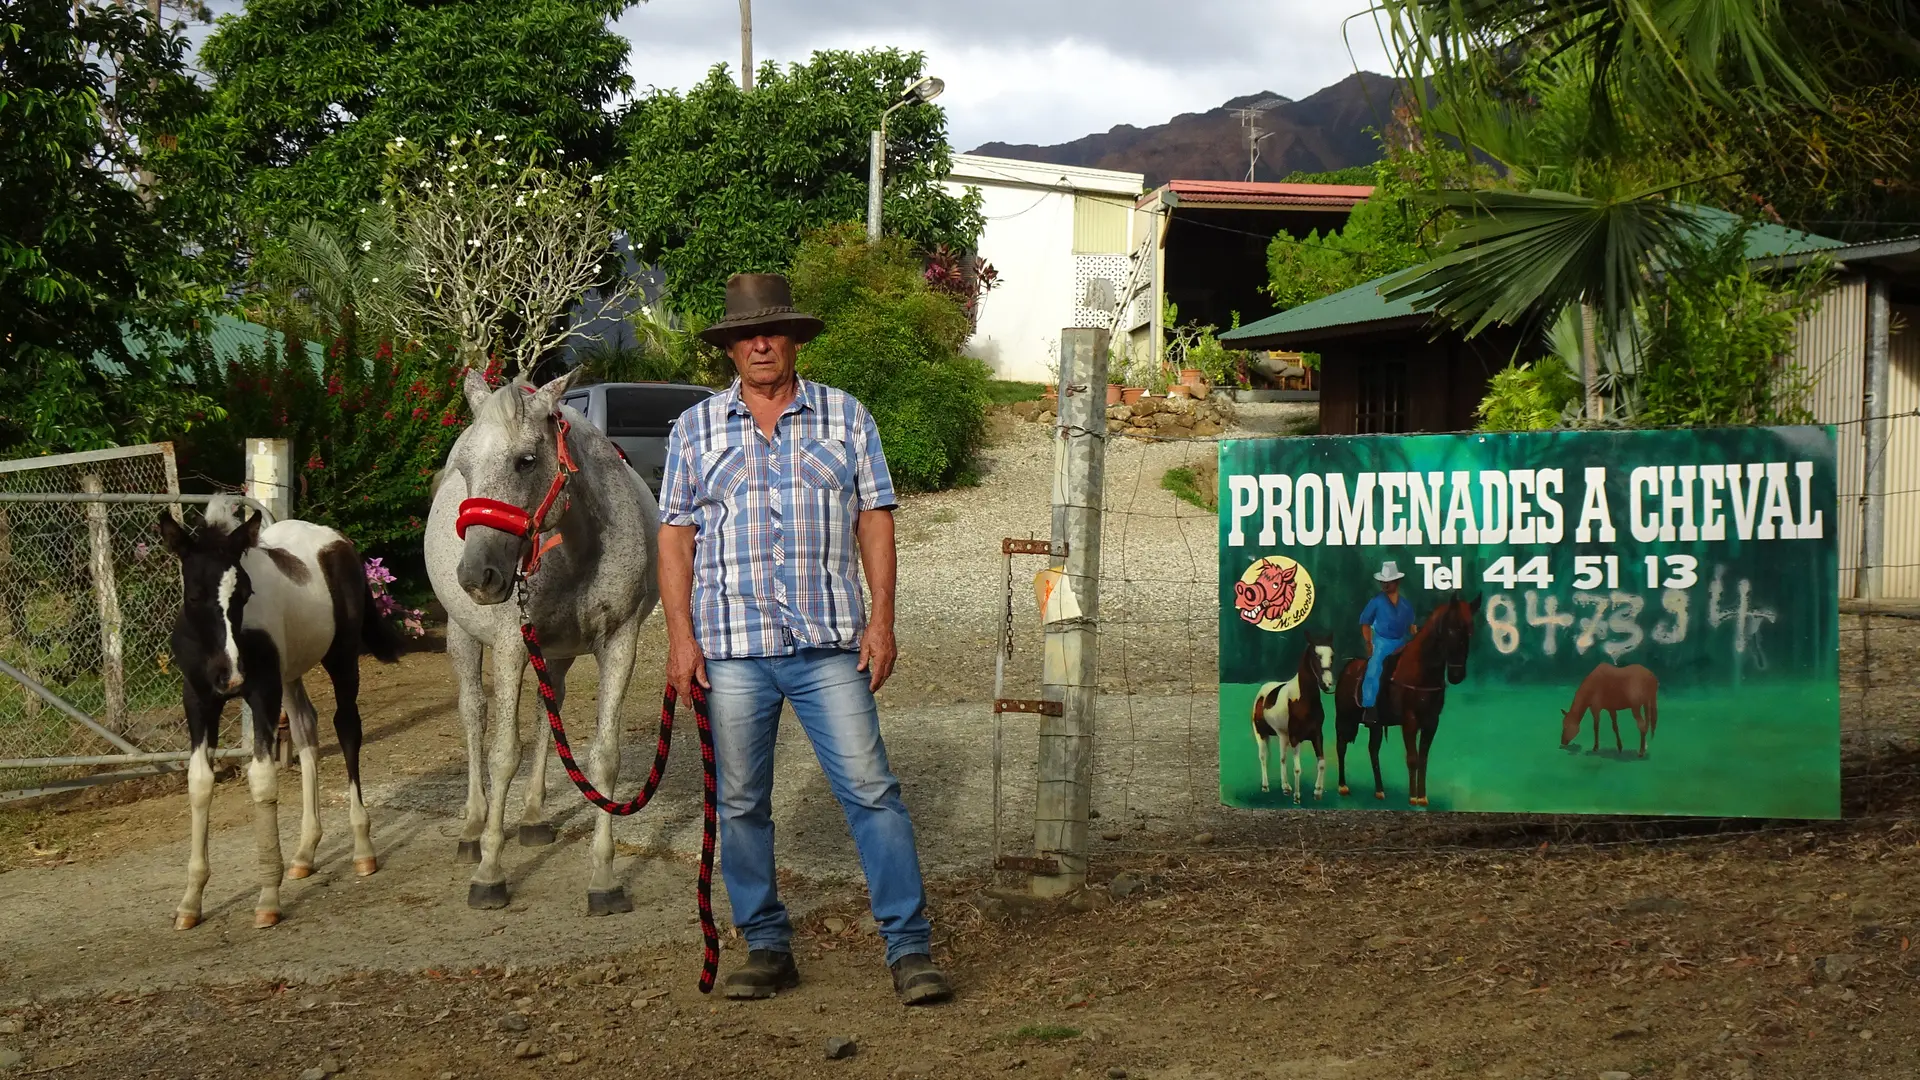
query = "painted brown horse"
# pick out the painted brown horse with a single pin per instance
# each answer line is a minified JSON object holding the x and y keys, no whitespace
{"x":1413,"y":690}
{"x":1609,"y":689}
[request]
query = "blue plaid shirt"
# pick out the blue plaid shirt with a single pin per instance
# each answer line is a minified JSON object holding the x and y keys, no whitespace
{"x":775,"y":564}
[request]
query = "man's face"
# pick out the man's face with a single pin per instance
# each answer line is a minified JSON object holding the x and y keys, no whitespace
{"x":764,"y":361}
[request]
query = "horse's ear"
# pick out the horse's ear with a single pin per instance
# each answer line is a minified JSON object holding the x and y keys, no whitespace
{"x":1473,"y":605}
{"x":547,"y":398}
{"x":173,"y":534}
{"x":476,"y":389}
{"x":244,"y":535}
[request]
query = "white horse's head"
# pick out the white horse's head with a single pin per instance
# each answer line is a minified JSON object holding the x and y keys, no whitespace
{"x":510,"y":455}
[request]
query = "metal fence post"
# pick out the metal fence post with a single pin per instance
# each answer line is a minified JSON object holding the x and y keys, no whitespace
{"x":1065,"y":773}
{"x":106,"y":596}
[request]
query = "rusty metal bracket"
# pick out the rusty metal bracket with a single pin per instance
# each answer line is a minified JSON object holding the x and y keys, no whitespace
{"x":1012,"y":546}
{"x":1044,"y":708}
{"x":1027,"y":863}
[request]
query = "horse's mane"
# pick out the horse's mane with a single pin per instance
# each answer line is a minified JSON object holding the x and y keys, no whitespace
{"x":222,"y":514}
{"x":502,"y":407}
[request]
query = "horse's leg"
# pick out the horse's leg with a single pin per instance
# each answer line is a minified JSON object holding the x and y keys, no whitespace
{"x":1260,"y":752}
{"x":535,"y":829}
{"x":1614,"y":715}
{"x":1640,"y":721}
{"x":1319,"y":766}
{"x":1596,"y":725}
{"x":488,"y":886}
{"x":606,"y":896}
{"x":1410,"y":734}
{"x":263,"y":781}
{"x":303,"y":724}
{"x":1346,"y":728}
{"x":467,"y":654}
{"x":1427,"y":732}
{"x":343,"y":667}
{"x":1377,"y":735}
{"x":203,"y":724}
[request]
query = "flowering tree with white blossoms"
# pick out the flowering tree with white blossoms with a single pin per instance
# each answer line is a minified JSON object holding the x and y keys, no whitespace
{"x":499,"y":247}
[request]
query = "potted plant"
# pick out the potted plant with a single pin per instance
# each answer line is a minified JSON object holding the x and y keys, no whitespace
{"x":1114,"y":392}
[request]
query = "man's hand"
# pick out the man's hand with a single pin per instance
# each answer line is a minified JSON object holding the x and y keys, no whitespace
{"x":877,"y":654}
{"x":685,"y":665}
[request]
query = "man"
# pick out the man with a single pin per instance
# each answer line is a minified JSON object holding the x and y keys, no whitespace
{"x":767,"y":489}
{"x":1387,"y":624}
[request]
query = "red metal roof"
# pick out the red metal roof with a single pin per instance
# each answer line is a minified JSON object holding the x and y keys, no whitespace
{"x":1263,"y":193}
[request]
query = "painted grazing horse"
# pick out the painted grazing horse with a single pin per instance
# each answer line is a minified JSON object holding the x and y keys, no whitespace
{"x":1610,"y":689}
{"x":1413,"y":690}
{"x":261,"y":607}
{"x":591,"y":589}
{"x":1292,"y":712}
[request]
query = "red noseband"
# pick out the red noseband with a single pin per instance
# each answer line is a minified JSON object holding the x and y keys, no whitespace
{"x":492,"y":513}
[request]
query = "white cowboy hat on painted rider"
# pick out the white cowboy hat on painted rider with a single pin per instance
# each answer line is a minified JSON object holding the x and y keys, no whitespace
{"x":1389,"y":571}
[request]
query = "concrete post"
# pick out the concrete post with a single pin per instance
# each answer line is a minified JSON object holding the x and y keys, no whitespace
{"x":875,"y":150}
{"x":270,"y":475}
{"x":1873,"y":408}
{"x":1065,"y":775}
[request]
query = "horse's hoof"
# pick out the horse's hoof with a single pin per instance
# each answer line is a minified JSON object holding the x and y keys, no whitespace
{"x":300,"y":870}
{"x":264,"y":919}
{"x":487,"y":897}
{"x":1380,"y":795}
{"x":539,"y":834}
{"x":183,"y":920}
{"x":1418,"y":802}
{"x":612,"y":902}
{"x":366,"y":866}
{"x":467,"y":852}
{"x":1344,"y":791}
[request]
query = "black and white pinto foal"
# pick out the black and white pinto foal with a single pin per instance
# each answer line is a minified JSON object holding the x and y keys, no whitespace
{"x":261,"y":607}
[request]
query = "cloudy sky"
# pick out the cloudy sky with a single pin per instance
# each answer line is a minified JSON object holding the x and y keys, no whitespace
{"x":1031,"y":70}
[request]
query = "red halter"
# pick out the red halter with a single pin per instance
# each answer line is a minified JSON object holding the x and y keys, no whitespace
{"x":509,"y":518}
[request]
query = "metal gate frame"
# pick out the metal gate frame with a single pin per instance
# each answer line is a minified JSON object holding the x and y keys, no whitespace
{"x":147,"y":763}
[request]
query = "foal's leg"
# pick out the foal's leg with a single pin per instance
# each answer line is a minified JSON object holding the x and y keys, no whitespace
{"x":488,"y":886}
{"x":1320,"y":766}
{"x":466,"y":653}
{"x":303,"y":725}
{"x":263,"y":780}
{"x":1260,"y":752}
{"x":1281,"y":738}
{"x":343,"y":667}
{"x":606,"y":896}
{"x":535,"y":829}
{"x":203,"y":723}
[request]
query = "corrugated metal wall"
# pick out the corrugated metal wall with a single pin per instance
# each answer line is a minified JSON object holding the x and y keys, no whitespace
{"x":1100,"y":224}
{"x":1832,"y":347}
{"x":1900,"y":577}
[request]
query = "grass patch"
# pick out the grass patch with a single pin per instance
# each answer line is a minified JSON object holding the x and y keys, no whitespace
{"x":1009,"y":391}
{"x":1189,"y":485}
{"x":1047,"y":1032}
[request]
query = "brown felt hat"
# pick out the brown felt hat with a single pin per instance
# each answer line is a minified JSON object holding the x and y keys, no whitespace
{"x":761,"y":304}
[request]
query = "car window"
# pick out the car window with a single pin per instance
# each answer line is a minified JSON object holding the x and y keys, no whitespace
{"x":647,"y":410}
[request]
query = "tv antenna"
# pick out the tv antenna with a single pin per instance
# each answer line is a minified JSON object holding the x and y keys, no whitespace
{"x":1250,"y":119}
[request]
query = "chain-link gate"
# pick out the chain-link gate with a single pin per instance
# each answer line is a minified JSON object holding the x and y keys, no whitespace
{"x":88,"y":597}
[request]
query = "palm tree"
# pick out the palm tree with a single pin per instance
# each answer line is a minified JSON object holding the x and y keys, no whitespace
{"x":1604,"y":115}
{"x":336,"y":279}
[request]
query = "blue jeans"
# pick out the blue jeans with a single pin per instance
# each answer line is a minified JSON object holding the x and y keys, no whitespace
{"x":834,"y":705}
{"x":1383,"y":647}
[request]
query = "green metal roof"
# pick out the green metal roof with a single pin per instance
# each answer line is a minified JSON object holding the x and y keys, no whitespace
{"x":227,"y":336}
{"x":1362,"y":308}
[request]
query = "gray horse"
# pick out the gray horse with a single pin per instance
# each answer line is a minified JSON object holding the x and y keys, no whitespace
{"x":589,"y":594}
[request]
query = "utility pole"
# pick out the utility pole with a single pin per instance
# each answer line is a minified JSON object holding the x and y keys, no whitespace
{"x":746,"y":44}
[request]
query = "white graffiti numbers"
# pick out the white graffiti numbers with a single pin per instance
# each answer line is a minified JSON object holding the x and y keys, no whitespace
{"x":1612,"y":620}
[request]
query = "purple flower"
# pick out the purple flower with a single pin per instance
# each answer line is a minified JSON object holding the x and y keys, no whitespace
{"x":387,"y":605}
{"x":378,"y":574}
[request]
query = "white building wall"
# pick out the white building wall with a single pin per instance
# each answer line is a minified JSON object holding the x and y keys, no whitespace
{"x":1029,"y":241}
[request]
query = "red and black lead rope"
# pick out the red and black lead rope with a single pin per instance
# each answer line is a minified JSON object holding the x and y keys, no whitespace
{"x":710,"y":962}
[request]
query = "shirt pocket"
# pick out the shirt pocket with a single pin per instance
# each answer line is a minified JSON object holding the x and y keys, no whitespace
{"x":723,"y":472}
{"x":824,"y":464}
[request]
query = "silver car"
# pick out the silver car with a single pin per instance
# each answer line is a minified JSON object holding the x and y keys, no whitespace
{"x":637,"y":416}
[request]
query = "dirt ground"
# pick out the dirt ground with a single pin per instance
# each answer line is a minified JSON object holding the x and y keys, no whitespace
{"x":1213,"y":944}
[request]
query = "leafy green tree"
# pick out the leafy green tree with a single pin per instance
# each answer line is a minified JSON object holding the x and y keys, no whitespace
{"x":84,"y":261}
{"x":894,"y":342}
{"x":307,"y":96}
{"x":723,"y":181}
{"x":1387,"y":231}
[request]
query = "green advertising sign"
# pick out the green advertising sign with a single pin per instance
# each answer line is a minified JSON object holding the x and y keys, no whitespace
{"x":1607,"y":622}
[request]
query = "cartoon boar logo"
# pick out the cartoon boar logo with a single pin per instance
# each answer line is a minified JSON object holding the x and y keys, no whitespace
{"x":1275,"y":593}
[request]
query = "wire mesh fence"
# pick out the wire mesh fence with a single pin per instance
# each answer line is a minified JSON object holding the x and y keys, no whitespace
{"x":88,"y":596}
{"x":1159,"y":726}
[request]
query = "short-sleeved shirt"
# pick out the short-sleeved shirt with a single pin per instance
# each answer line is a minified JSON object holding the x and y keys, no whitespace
{"x":1389,"y":620}
{"x":775,"y":562}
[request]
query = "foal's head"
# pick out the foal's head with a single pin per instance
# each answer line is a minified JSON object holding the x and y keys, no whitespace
{"x":509,"y":454}
{"x":215,"y":588}
{"x":1319,"y":658}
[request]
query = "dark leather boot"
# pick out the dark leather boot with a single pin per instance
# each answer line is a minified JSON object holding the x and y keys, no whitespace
{"x":765,"y":973}
{"x":917,"y":982}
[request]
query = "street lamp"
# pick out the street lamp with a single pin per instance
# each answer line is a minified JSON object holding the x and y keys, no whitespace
{"x":926,"y":89}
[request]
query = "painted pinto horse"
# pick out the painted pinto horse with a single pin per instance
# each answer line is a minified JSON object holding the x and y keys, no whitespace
{"x":1413,"y":691}
{"x":262,"y":607}
{"x":536,"y":508}
{"x":1291,"y":711}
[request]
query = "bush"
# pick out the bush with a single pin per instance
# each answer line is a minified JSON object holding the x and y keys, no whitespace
{"x":1528,"y":397}
{"x":894,"y":343}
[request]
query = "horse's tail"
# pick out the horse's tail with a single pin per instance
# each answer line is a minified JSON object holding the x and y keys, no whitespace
{"x":1653,"y":713}
{"x":376,"y":633}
